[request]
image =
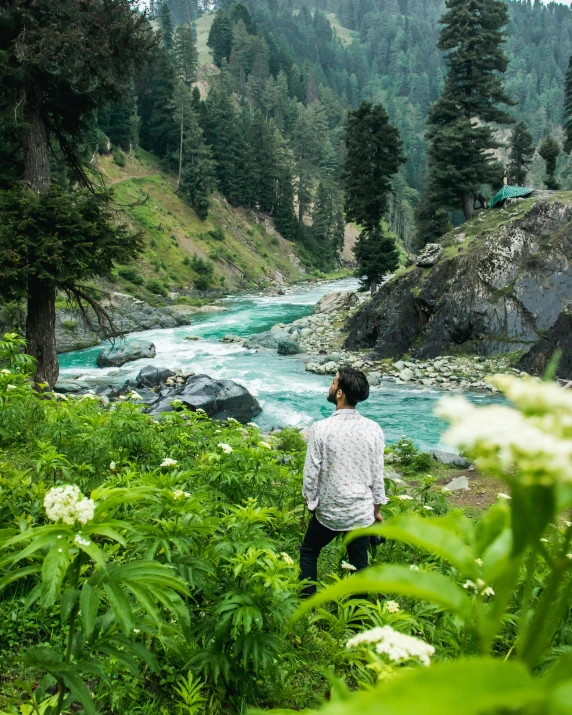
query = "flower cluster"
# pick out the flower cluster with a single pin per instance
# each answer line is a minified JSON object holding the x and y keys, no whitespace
{"x":68,"y":505}
{"x":405,"y":497}
{"x":348,"y":567}
{"x":287,"y":558}
{"x":226,"y":448}
{"x":535,"y":441}
{"x":265,"y":445}
{"x":481,"y":587}
{"x":168,"y":462}
{"x":397,"y":646}
{"x":392,"y":606}
{"x":179,"y":493}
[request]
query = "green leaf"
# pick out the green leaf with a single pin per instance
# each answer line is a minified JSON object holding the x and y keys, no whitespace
{"x":467,"y":686}
{"x":43,"y":657}
{"x":492,"y":523}
{"x":533,"y":508}
{"x":121,"y":607}
{"x":560,"y":670}
{"x":497,"y":556}
{"x":67,"y":602}
{"x":89,"y":606}
{"x":53,"y":571}
{"x":107,"y":530}
{"x":93,"y":551}
{"x":78,"y":688}
{"x":121,"y":656}
{"x":141,"y":652}
{"x":20,"y":573}
{"x":561,"y":699}
{"x":438,"y":535}
{"x":393,"y":578}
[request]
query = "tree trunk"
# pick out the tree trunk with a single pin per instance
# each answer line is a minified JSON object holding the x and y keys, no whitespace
{"x":468,"y":205}
{"x":181,"y":147}
{"x":41,"y":329}
{"x":373,"y":286}
{"x":41,"y":320}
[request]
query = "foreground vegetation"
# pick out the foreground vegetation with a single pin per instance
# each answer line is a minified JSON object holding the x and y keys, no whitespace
{"x":149,"y":566}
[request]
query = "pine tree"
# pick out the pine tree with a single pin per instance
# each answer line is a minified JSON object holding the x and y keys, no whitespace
{"x":166,"y":24}
{"x":185,"y":55}
{"x":549,"y":151}
{"x":373,"y":156}
{"x":49,"y":97}
{"x":568,"y":109}
{"x":328,"y":224}
{"x":459,"y":154}
{"x":198,"y":175}
{"x":119,"y":121}
{"x":431,"y":219}
{"x":220,"y":38}
{"x":521,"y":153}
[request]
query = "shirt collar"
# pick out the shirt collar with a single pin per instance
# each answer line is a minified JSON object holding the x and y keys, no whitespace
{"x":346,"y":412}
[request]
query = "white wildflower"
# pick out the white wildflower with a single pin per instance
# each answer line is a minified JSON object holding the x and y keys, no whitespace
{"x":265,"y":445}
{"x":218,"y":431}
{"x":60,"y":551}
{"x":470,"y":584}
{"x":112,"y":466}
{"x":429,"y":508}
{"x":479,"y":562}
{"x":488,"y":591}
{"x":122,"y":397}
{"x":58,"y":396}
{"x":253,"y":424}
{"x":405,"y":497}
{"x":226,"y":448}
{"x":502,"y":495}
{"x":5,"y":371}
{"x":176,"y":403}
{"x":231,"y":419}
{"x":505,"y":439}
{"x":569,"y":556}
{"x":200,"y":409}
{"x":136,"y":630}
{"x":568,"y":524}
{"x":397,"y":646}
{"x":544,"y":541}
{"x":11,"y":387}
{"x":392,"y":606}
{"x":135,"y":395}
{"x":81,"y":541}
{"x":179,"y":493}
{"x":414,"y":567}
{"x":69,"y":505}
{"x":288,"y":559}
{"x":348,"y":567}
{"x":168,"y":462}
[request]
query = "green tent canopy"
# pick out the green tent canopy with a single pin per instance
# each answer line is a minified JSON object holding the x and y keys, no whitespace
{"x":509,"y":192}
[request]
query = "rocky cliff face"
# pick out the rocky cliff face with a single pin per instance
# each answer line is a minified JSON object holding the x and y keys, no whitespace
{"x":502,"y":289}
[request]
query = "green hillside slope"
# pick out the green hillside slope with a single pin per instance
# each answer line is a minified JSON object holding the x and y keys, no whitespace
{"x":232,"y":249}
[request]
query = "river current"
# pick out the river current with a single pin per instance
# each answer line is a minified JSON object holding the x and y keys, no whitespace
{"x":288,"y":394}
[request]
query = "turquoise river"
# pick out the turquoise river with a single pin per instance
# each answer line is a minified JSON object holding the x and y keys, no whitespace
{"x":288,"y":394}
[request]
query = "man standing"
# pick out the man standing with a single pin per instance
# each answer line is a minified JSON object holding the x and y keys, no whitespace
{"x":343,"y":476}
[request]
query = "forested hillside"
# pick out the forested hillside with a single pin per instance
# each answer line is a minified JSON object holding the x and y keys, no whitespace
{"x":289,"y":72}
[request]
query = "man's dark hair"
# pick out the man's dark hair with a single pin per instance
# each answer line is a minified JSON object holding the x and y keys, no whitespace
{"x":353,"y":383}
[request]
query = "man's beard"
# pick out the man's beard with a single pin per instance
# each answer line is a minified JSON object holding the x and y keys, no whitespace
{"x":332,"y":397}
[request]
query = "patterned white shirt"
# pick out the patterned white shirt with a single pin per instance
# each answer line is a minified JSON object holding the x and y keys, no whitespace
{"x":343,"y":473}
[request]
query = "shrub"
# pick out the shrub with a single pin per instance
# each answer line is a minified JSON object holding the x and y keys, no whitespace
{"x":217,"y":233}
{"x":70,"y":325}
{"x":156,"y":287}
{"x":130,"y":274}
{"x":118,"y":156}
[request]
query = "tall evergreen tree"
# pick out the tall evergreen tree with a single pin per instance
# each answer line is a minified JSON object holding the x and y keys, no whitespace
{"x":549,"y":151}
{"x":198,"y":176}
{"x":521,"y":153}
{"x":57,"y":70}
{"x":185,"y":54}
{"x":431,"y":219}
{"x":568,"y":108}
{"x":373,"y":157}
{"x":166,"y":24}
{"x":328,"y":224}
{"x":461,"y":139}
{"x":119,"y":121}
{"x":220,"y":38}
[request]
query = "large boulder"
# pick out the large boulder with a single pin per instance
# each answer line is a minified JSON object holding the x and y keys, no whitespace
{"x":153,"y":376}
{"x":289,"y":347}
{"x":333,"y":302}
{"x":118,"y":355}
{"x":429,"y":255}
{"x":558,"y":337}
{"x":70,"y":387}
{"x":269,"y":339}
{"x":451,"y":460}
{"x":220,"y":399}
{"x":500,"y":291}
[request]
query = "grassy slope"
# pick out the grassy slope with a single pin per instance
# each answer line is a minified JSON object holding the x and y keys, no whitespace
{"x":248,"y":257}
{"x":203,"y":25}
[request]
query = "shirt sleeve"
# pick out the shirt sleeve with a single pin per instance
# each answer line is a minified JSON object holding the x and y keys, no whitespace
{"x":378,"y":485}
{"x":312,"y":468}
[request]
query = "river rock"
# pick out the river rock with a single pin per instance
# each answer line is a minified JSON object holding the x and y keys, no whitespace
{"x":306,"y":332}
{"x":71,"y":387}
{"x":374,"y":378}
{"x":333,"y":302}
{"x":502,"y":295}
{"x":456,"y":485}
{"x":118,"y":355}
{"x":220,"y":399}
{"x":406,"y":375}
{"x":450,"y":459}
{"x":429,"y":255}
{"x":269,"y":339}
{"x":559,"y":337}
{"x":289,"y":347}
{"x":153,"y":376}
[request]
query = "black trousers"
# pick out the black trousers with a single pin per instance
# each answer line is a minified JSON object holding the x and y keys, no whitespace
{"x":317,"y":536}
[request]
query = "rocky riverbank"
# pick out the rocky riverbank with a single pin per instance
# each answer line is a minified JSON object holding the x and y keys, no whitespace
{"x":318,"y":339}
